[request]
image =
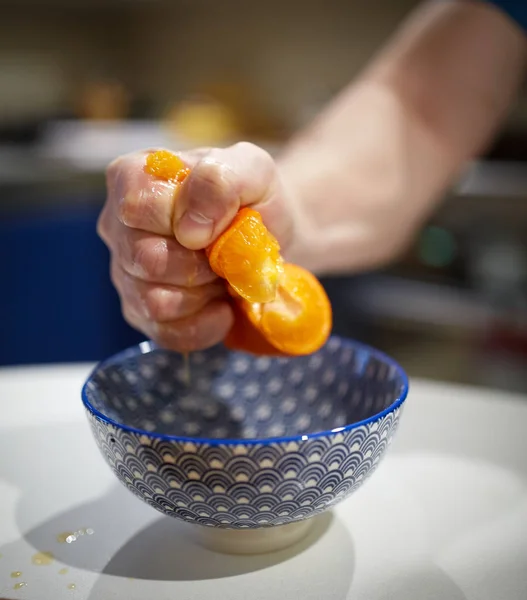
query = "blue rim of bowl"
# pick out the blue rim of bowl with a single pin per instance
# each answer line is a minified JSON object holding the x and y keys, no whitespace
{"x":148,"y":346}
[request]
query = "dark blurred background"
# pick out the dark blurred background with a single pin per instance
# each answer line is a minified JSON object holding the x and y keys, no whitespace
{"x":82,"y":82}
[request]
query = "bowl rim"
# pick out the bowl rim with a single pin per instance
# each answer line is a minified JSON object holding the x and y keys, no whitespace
{"x":149,"y":346}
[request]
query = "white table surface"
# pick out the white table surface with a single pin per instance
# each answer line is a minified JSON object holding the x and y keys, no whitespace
{"x":444,"y":517}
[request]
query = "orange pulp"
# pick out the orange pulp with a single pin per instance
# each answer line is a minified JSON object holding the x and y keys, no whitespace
{"x":247,"y":255}
{"x":166,"y":165}
{"x":298,"y":321}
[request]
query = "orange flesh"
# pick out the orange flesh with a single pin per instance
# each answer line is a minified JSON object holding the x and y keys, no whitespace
{"x":280,"y":309}
{"x":166,"y":165}
{"x":299,"y":320}
{"x":247,"y":255}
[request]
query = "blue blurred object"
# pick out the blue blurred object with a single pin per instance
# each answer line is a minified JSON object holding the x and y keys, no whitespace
{"x":56,"y":298}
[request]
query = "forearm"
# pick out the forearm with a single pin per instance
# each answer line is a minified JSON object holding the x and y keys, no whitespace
{"x":390,"y":144}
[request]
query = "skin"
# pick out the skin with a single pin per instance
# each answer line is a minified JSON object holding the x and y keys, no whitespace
{"x":347,"y":194}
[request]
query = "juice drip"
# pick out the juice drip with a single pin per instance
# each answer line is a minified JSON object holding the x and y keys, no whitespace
{"x":42,"y":559}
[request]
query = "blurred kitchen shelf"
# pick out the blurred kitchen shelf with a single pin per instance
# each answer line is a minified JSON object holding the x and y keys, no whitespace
{"x":22,"y":166}
{"x":420,"y":303}
{"x":435,"y":331}
{"x":70,"y":151}
{"x":460,"y":361}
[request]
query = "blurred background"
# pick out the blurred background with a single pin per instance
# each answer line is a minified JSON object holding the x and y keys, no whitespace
{"x":82,"y":82}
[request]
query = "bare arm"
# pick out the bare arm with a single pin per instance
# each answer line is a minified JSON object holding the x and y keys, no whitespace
{"x":347,"y":194}
{"x":374,"y":164}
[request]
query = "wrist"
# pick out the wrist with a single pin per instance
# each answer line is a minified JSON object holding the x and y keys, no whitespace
{"x":305,"y":244}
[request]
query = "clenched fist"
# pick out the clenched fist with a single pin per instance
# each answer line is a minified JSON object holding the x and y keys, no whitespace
{"x":156,"y":232}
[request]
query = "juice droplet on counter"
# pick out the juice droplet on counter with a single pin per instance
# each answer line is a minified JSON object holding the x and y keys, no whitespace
{"x":71,"y":586}
{"x":42,"y":559}
{"x":17,"y":586}
{"x":63,"y":571}
{"x":16,"y":574}
{"x":68,"y":537}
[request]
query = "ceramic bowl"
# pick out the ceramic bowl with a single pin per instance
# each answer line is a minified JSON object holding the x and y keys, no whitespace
{"x":248,"y":445}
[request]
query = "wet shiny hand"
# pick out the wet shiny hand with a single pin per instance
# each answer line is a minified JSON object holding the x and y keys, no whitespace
{"x":157,"y":231}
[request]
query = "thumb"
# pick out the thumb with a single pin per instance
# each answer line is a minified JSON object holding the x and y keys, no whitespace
{"x":219,"y":185}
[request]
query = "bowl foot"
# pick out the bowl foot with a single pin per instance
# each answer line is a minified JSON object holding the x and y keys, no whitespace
{"x":252,"y":541}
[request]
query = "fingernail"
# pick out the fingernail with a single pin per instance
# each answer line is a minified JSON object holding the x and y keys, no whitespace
{"x":194,"y":230}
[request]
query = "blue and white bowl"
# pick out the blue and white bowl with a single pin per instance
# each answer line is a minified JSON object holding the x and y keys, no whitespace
{"x":250,"y":443}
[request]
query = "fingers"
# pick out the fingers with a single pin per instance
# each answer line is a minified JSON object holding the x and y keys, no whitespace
{"x":196,"y":332}
{"x":153,"y":258}
{"x":182,"y":319}
{"x":162,"y":302}
{"x":140,"y":200}
{"x":220,"y":183}
{"x":156,"y":231}
{"x":197,"y":211}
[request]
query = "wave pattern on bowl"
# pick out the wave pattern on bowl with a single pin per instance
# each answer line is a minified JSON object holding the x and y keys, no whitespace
{"x":235,"y":482}
{"x":233,"y":395}
{"x":245,"y":487}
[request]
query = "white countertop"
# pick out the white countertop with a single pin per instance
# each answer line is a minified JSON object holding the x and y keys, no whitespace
{"x":444,"y":517}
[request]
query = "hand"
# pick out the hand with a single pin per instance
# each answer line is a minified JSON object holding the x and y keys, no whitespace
{"x":156,"y":233}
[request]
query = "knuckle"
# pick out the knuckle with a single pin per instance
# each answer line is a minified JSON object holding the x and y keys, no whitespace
{"x":103,"y":229}
{"x":115,"y":176}
{"x":120,"y":192}
{"x":212,"y":174}
{"x":129,"y":209}
{"x":214,"y":189}
{"x":112,"y":170}
{"x":264,"y":157}
{"x":118,"y":282}
{"x":245,"y":146}
{"x":161,"y":304}
{"x":149,"y":259}
{"x":130,"y":316}
{"x":146,"y":208}
{"x":257,"y":153}
{"x":114,"y":275}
